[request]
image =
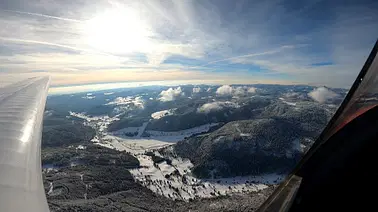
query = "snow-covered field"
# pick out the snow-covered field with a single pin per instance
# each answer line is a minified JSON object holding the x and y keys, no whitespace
{"x":175,"y":181}
{"x":133,"y":146}
{"x":161,"y":114}
{"x":288,"y":103}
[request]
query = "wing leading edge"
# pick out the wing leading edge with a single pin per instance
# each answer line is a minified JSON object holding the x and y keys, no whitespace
{"x":21,"y":114}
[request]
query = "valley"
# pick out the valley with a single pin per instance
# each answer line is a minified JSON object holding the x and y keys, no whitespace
{"x":194,"y":147}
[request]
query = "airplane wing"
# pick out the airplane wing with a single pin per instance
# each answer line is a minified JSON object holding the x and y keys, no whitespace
{"x":21,"y":114}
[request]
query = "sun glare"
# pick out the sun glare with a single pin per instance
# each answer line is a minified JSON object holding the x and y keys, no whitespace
{"x":120,"y":31}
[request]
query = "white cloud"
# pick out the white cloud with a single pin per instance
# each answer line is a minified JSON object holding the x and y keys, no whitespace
{"x":224,"y":90}
{"x":215,"y":106}
{"x":138,"y":101}
{"x":78,"y":42}
{"x":227,"y":90}
{"x":251,"y":90}
{"x":239,"y":91}
{"x":322,"y":94}
{"x":196,"y":89}
{"x":170,"y":94}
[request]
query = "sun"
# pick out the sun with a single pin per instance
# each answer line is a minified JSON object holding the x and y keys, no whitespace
{"x":118,"y":31}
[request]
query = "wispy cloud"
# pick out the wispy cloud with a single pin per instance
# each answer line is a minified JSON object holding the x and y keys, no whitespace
{"x":42,"y":15}
{"x":53,"y":44}
{"x":218,"y":41}
{"x":242,"y":58}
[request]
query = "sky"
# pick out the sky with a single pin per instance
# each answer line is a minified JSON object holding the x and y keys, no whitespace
{"x":316,"y":42}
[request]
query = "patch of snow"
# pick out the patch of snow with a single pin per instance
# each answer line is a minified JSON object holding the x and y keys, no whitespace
{"x":137,"y":101}
{"x":303,"y":147}
{"x":219,"y":138}
{"x":245,"y":134}
{"x":88,"y":97}
{"x":160,"y":114}
{"x":81,"y":147}
{"x":290,"y":103}
{"x":176,"y":181}
{"x":50,"y":189}
{"x":215,"y":106}
{"x":99,"y":123}
{"x":134,"y":146}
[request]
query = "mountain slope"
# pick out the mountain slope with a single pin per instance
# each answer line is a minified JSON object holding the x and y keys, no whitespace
{"x":244,"y":147}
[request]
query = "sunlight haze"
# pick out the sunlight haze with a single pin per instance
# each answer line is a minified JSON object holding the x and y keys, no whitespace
{"x":280,"y":42}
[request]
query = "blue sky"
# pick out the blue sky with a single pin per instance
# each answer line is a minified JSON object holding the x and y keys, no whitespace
{"x":315,"y":42}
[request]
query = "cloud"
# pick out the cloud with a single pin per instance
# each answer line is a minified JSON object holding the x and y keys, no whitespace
{"x":227,"y":90}
{"x":214,"y":40}
{"x":322,"y":94}
{"x":251,"y":90}
{"x":239,"y":91}
{"x":170,"y":94}
{"x":224,"y":90}
{"x":241,"y":58}
{"x":216,"y":106}
{"x":196,"y":89}
{"x":43,"y":15}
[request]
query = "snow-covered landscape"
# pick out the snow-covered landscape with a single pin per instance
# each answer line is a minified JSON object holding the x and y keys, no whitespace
{"x":173,"y":180}
{"x":176,"y":181}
